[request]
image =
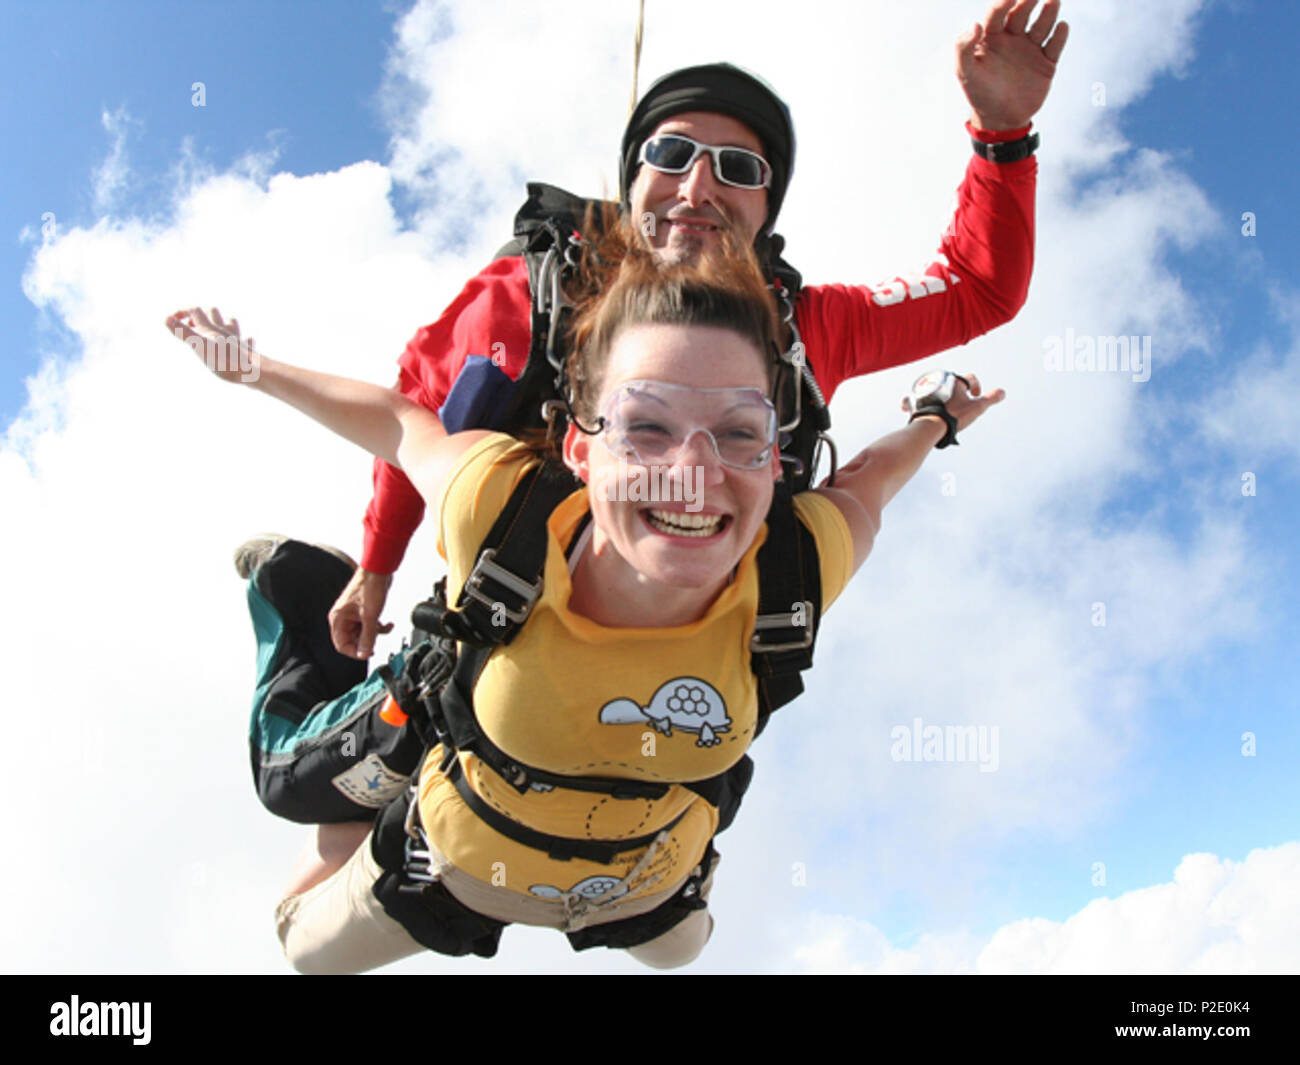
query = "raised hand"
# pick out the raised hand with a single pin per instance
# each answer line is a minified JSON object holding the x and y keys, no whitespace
{"x":218,"y":343}
{"x":1006,"y":66}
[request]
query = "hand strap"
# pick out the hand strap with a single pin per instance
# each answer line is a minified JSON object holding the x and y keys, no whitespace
{"x":950,"y":437}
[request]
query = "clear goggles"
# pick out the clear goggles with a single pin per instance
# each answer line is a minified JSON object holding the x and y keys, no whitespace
{"x":649,"y":423}
{"x":673,"y":153}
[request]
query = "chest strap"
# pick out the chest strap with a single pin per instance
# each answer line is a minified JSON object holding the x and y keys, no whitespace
{"x":560,"y":848}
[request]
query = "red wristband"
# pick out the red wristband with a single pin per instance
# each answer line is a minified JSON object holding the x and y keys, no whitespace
{"x":998,"y":136}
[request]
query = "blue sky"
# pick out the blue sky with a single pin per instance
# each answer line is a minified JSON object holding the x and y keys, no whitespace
{"x":311,"y":95}
{"x":1121,"y":745}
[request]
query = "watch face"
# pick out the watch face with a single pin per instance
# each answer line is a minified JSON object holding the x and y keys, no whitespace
{"x":928,"y":385}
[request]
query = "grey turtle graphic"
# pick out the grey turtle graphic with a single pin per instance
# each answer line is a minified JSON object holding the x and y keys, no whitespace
{"x":593,"y":887}
{"x":693,"y":705}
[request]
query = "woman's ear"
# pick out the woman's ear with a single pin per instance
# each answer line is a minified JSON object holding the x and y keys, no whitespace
{"x":577,"y":445}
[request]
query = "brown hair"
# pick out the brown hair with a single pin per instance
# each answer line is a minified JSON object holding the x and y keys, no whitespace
{"x":625,"y":286}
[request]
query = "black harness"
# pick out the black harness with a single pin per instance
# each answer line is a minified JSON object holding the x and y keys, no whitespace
{"x":452,"y":644}
{"x":436,"y":689}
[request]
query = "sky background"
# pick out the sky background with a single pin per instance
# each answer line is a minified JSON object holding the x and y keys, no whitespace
{"x":352,"y":165}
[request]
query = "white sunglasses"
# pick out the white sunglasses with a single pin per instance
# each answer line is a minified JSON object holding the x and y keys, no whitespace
{"x":673,"y":153}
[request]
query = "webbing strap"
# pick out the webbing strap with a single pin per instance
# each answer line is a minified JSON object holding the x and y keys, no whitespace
{"x":560,"y":848}
{"x":506,"y":581}
{"x":789,"y":607}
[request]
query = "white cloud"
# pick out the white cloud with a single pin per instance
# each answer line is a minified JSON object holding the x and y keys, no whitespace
{"x":130,"y":476}
{"x":113,"y":175}
{"x":1252,"y":416}
{"x":1216,"y":916}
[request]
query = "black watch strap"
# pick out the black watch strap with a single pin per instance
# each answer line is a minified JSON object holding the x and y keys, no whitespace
{"x":1006,"y":151}
{"x":950,"y":437}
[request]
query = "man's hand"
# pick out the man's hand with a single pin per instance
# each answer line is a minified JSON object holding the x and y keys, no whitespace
{"x":354,"y":618}
{"x":1005,"y":69}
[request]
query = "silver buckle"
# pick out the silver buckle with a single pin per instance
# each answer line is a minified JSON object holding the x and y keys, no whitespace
{"x":765,"y":622}
{"x":418,"y":863}
{"x":486,"y":569}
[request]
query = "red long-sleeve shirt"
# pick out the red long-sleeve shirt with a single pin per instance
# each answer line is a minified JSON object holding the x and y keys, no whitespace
{"x":977,"y":280}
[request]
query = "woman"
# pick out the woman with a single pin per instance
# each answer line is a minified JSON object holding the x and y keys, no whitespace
{"x":671,"y":378}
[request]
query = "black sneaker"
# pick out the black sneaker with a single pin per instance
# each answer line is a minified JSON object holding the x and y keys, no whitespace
{"x":252,"y":553}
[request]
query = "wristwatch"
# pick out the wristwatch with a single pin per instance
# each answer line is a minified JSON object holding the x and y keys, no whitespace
{"x":930,"y":394}
{"x":1006,"y":151}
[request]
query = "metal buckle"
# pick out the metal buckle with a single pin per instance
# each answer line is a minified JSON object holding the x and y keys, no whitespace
{"x":417,"y":861}
{"x":793,"y":358}
{"x":823,"y":439}
{"x":767,"y":622}
{"x":418,"y":865}
{"x":409,"y":827}
{"x":486,"y":569}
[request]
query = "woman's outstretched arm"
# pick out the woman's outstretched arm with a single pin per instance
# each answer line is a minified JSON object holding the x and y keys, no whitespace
{"x":380,"y":420}
{"x":865,"y":485}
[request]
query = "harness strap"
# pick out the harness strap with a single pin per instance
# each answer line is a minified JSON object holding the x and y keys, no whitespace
{"x":789,"y":607}
{"x":506,"y":581}
{"x":560,"y":848}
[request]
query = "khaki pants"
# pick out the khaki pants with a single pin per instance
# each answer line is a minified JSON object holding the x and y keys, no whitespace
{"x":338,"y":926}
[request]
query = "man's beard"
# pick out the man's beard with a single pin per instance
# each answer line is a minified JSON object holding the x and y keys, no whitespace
{"x":683,"y":249}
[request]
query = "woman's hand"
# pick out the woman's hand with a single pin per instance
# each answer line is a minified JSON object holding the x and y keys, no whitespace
{"x":218,"y":343}
{"x":967,"y":405}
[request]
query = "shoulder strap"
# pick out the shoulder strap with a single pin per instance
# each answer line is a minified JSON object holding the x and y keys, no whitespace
{"x":506,"y":581}
{"x":789,"y":606}
{"x":768,"y":248}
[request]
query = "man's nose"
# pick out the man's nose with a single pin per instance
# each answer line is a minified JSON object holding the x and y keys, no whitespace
{"x":699,"y":184}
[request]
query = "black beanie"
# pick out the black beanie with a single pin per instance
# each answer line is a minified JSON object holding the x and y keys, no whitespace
{"x":727,"y":90}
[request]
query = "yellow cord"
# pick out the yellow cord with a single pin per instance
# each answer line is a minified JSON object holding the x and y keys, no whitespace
{"x":636,"y":54}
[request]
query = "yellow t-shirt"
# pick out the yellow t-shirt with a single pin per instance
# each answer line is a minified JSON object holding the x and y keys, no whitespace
{"x":574,"y":697}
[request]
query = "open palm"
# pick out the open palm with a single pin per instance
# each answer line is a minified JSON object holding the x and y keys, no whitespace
{"x":1005,"y":68}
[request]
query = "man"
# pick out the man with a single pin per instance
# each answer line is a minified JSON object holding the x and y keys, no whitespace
{"x":681,"y":186}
